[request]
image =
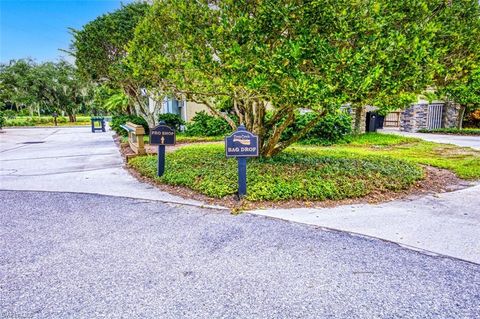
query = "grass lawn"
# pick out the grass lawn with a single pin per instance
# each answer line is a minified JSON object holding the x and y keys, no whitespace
{"x":464,"y":162}
{"x":46,"y":121}
{"x":370,"y":163}
{"x":183,"y":139}
{"x":453,"y":131}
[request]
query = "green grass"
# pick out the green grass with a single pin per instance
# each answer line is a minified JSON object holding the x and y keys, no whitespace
{"x":46,"y":121}
{"x":371,"y":162}
{"x":453,"y":131}
{"x":464,"y":162}
{"x":294,"y":174}
{"x":184,"y":139}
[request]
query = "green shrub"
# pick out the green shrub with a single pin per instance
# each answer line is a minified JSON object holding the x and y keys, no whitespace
{"x":454,"y":131}
{"x":118,"y":120}
{"x":294,"y":174}
{"x":45,"y":121}
{"x":9,"y":114}
{"x":331,"y":129}
{"x":24,"y":112}
{"x":203,"y":124}
{"x":2,"y":119}
{"x":172,"y":120}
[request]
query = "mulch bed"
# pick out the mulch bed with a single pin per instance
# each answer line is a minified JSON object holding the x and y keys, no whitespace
{"x":436,"y":181}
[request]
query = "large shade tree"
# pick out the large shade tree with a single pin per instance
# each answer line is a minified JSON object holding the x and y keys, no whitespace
{"x":465,"y":93}
{"x":17,"y":84}
{"x":99,"y":49}
{"x":271,"y":58}
{"x":43,"y":88}
{"x":458,"y":47}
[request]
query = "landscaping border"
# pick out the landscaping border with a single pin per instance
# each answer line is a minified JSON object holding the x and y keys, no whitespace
{"x":436,"y":181}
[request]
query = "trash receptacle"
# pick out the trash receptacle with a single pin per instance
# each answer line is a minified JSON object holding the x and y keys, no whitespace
{"x":379,"y":122}
{"x":100,"y":121}
{"x":371,"y":122}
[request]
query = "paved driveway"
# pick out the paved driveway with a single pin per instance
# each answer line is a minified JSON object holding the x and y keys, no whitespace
{"x":466,"y":141}
{"x":78,"y":255}
{"x":69,"y":160}
{"x":447,"y":223}
{"x":67,"y":255}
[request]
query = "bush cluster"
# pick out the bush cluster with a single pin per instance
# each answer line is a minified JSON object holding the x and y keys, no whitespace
{"x":9,"y":114}
{"x":172,"y":120}
{"x":33,"y":121}
{"x":2,"y":119}
{"x":331,"y":129}
{"x":203,"y":124}
{"x":118,"y":120}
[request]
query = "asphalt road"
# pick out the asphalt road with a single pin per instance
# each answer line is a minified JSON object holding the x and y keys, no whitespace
{"x":69,"y":255}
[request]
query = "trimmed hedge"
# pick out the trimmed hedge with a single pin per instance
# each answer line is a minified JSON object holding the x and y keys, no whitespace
{"x":45,"y":120}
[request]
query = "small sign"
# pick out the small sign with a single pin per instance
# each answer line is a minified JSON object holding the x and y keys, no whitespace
{"x":162,"y":135}
{"x":241,"y":143}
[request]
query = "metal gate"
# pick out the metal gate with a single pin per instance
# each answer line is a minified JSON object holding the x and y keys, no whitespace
{"x":392,"y":119}
{"x":434,"y":117}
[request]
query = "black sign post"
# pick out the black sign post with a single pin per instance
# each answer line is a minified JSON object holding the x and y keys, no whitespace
{"x":55,"y":115}
{"x":241,"y":144}
{"x":162,"y":135}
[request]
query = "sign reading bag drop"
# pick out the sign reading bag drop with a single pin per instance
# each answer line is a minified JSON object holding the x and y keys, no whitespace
{"x":241,"y":144}
{"x":162,"y":135}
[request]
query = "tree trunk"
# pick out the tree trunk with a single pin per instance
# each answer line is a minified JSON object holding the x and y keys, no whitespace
{"x":283,"y":145}
{"x":461,"y":114}
{"x":269,"y":144}
{"x":224,"y":116}
{"x":359,"y":121}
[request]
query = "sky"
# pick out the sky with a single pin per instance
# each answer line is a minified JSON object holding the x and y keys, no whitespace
{"x":39,"y":28}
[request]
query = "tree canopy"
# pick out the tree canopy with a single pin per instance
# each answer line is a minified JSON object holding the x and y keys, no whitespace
{"x":43,"y":88}
{"x":287,"y":55}
{"x":100,"y":49}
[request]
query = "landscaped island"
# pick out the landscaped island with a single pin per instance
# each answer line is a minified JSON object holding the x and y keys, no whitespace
{"x":372,"y":163}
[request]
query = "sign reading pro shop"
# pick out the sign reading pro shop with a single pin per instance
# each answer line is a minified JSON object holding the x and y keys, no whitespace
{"x":162,"y":135}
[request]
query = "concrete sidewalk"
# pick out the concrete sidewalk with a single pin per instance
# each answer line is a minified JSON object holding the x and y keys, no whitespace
{"x":70,"y":160}
{"x":459,"y":140}
{"x":446,"y":224}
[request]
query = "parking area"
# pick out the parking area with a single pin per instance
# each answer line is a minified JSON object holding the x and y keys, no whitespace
{"x":69,"y":160}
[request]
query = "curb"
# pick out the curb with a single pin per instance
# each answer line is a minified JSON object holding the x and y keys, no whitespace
{"x":206,"y":206}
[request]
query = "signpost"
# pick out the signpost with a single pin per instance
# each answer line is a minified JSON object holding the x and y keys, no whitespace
{"x":55,"y":115}
{"x":162,"y":135}
{"x":241,"y":144}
